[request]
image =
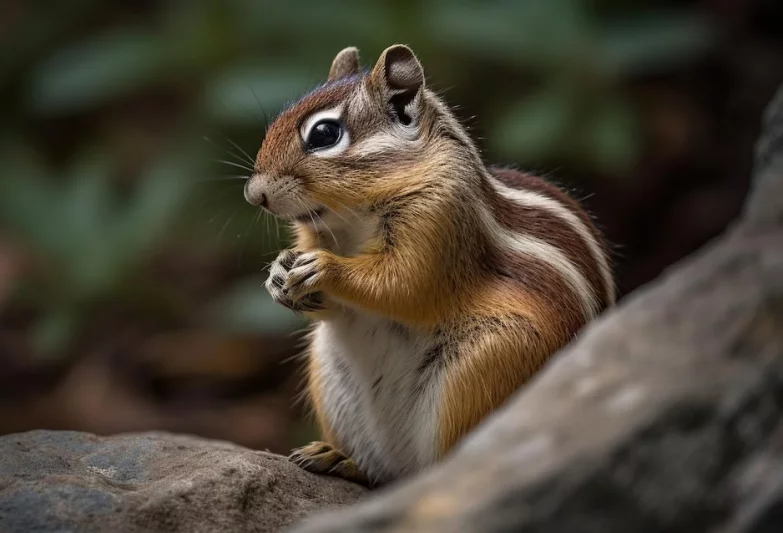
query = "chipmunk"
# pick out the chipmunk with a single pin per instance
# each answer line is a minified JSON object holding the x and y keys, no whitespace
{"x":437,"y":285}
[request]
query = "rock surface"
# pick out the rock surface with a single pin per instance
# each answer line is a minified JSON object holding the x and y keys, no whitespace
{"x":70,"y":481}
{"x":665,"y":416}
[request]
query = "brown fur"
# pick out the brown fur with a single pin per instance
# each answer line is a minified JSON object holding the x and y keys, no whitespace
{"x":487,"y":371}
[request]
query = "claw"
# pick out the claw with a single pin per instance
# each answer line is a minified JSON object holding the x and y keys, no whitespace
{"x":280,"y":271}
{"x":322,"y":458}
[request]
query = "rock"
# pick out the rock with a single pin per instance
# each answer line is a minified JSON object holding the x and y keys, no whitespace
{"x":71,"y":481}
{"x":666,"y":415}
{"x":765,"y":205}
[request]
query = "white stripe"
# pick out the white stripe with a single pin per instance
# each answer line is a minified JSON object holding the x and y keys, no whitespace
{"x":539,"y":201}
{"x":383,"y":141}
{"x":547,"y":253}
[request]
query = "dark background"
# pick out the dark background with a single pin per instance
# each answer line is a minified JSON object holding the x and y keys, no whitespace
{"x":131,"y":269}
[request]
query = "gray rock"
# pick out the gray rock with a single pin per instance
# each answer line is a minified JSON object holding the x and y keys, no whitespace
{"x":665,"y":416}
{"x":765,"y":205}
{"x":70,"y":481}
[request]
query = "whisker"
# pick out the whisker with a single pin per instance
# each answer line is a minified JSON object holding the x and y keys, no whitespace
{"x":223,"y":178}
{"x":259,"y":212}
{"x":223,"y":229}
{"x":243,"y":167}
{"x":311,"y":218}
{"x":354,"y":213}
{"x":327,"y":228}
{"x":267,"y":228}
{"x":310,"y":212}
{"x":217,"y":195}
{"x":250,"y":159}
{"x":229,"y":151}
{"x":260,"y":105}
{"x":337,"y":213}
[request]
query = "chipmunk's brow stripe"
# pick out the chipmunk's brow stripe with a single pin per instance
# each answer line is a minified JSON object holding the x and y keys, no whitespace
{"x":380,"y":142}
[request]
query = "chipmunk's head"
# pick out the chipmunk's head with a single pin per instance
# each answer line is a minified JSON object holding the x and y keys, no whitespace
{"x":345,"y":145}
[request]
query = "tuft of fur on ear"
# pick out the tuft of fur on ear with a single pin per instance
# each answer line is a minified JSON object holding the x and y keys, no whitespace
{"x":399,"y":79}
{"x":346,"y":63}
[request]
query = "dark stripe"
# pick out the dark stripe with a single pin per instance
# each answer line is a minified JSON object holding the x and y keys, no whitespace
{"x":432,"y":357}
{"x":387,"y":226}
{"x":521,"y":180}
{"x":541,"y":224}
{"x":542,"y":281}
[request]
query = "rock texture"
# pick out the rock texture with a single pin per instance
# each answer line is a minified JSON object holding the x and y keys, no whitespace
{"x":69,"y":481}
{"x":665,"y":416}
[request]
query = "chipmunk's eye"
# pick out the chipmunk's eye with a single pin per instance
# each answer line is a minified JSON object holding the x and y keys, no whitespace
{"x":323,"y":134}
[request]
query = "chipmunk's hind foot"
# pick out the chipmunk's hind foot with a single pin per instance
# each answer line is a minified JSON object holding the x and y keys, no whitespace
{"x":322,"y":458}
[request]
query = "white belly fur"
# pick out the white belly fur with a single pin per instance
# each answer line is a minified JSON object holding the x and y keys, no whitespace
{"x":379,"y":402}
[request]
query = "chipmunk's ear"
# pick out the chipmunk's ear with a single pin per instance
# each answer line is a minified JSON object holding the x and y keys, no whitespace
{"x":398,"y":78}
{"x":346,"y":63}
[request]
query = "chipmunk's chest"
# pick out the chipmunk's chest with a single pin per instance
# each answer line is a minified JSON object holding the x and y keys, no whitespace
{"x":379,"y":394}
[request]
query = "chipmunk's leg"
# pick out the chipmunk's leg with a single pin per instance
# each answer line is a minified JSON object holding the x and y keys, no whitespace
{"x":323,"y":457}
{"x":482,"y":376}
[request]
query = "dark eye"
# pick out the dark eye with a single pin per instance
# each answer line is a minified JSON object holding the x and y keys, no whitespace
{"x":325,"y":133}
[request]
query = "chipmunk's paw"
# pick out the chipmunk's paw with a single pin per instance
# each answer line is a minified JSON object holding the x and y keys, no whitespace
{"x":275,"y":283}
{"x":305,"y":275}
{"x":322,"y":458}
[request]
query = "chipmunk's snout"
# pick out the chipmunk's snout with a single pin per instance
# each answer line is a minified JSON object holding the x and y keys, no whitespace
{"x":282,"y":196}
{"x":255,"y":192}
{"x":257,"y":200}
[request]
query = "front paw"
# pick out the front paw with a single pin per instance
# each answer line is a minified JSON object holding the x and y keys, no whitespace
{"x":305,"y":276}
{"x":275,"y":284}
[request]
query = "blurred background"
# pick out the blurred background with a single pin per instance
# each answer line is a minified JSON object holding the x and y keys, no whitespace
{"x":132,"y":270}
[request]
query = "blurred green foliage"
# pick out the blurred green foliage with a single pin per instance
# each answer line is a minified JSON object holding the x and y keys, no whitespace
{"x":105,"y":106}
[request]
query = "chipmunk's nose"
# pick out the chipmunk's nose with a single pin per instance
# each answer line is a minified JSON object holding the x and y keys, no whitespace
{"x":264,"y":201}
{"x":255,"y":193}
